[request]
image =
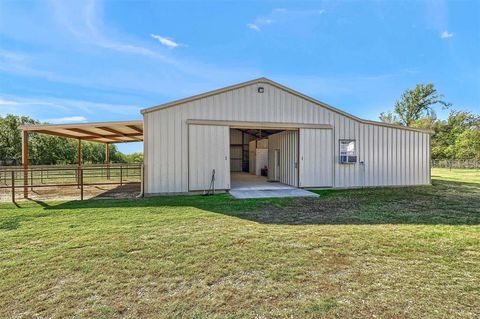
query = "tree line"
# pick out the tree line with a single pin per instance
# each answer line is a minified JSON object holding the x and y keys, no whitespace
{"x":52,"y":150}
{"x":457,"y":137}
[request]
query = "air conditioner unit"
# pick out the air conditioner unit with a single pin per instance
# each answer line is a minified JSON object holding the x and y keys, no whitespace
{"x":344,"y":159}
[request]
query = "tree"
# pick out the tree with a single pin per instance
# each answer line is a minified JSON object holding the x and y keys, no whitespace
{"x":51,"y":150}
{"x":11,"y":138}
{"x":468,"y":144}
{"x":414,"y":105}
{"x":47,"y":149}
{"x":447,"y":133}
{"x":134,"y":158}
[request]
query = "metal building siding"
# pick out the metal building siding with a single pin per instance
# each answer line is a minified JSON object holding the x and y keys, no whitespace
{"x":316,"y":157}
{"x":207,"y":151}
{"x":235,"y":151}
{"x":394,"y":157}
{"x":287,"y":143}
{"x":252,"y":148}
{"x":167,"y":139}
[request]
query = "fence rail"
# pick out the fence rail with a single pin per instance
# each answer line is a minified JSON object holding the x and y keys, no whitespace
{"x":456,"y":163}
{"x":17,"y":179}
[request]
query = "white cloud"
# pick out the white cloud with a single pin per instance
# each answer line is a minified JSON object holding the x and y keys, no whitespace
{"x":13,"y":56}
{"x":445,"y":34}
{"x":65,"y":120}
{"x":4,"y":102}
{"x":83,"y":20}
{"x":282,"y":15}
{"x":79,"y":27}
{"x":253,"y":26}
{"x":16,"y":104}
{"x":169,"y":43}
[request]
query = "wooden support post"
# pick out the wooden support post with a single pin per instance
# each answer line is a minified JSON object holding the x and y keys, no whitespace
{"x":79,"y":161}
{"x":107,"y":159}
{"x":25,"y":162}
{"x":13,"y":186}
{"x":79,"y":153}
{"x":81,"y":182}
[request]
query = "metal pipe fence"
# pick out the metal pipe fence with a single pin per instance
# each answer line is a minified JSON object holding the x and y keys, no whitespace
{"x":456,"y":163}
{"x":20,"y":180}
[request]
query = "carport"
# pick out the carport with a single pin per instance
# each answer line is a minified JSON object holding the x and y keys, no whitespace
{"x":101,"y":132}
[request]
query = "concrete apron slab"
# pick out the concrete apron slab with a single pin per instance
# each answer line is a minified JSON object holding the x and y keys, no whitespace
{"x":269,"y":193}
{"x":246,"y":185}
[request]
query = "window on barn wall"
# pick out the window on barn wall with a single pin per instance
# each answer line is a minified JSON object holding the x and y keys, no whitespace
{"x":348,"y":151}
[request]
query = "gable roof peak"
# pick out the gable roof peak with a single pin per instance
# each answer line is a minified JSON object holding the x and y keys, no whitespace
{"x":281,"y":87}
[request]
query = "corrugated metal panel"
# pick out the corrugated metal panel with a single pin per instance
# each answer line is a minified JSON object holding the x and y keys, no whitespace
{"x":208,"y":151}
{"x":235,"y":159}
{"x":316,"y":158}
{"x":251,"y":156}
{"x":394,"y":157}
{"x":235,"y":136}
{"x":287,"y":144}
{"x":263,"y":143}
{"x":388,"y":153}
{"x":261,"y":160}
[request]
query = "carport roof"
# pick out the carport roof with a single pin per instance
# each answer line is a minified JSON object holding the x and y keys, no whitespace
{"x":103,"y":132}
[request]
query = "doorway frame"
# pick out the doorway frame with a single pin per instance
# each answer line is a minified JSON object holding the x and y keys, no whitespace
{"x":264,"y":125}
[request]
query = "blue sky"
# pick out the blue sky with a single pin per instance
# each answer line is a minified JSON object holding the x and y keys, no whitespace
{"x":75,"y":61}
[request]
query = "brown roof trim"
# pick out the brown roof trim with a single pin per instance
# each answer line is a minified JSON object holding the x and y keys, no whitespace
{"x":83,"y":131}
{"x":284,"y":88}
{"x":29,"y":127}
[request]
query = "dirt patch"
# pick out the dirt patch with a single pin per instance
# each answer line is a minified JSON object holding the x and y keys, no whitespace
{"x":73,"y":192}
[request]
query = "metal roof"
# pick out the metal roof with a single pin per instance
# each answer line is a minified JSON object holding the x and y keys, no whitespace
{"x":286,"y":89}
{"x":103,"y":132}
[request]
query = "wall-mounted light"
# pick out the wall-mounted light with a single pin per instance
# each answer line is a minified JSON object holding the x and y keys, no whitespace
{"x":260,"y":89}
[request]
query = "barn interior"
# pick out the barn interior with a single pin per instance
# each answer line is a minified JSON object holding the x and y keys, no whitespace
{"x":249,"y":158}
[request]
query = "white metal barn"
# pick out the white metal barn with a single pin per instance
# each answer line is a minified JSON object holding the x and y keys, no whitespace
{"x":261,"y":126}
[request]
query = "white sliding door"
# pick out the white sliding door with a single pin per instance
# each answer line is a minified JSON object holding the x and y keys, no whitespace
{"x":316,"y":158}
{"x":208,"y":150}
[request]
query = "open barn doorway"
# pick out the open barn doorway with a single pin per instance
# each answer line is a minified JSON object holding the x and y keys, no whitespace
{"x":262,"y":159}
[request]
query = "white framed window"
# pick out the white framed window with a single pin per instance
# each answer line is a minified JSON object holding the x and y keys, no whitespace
{"x":348,"y":151}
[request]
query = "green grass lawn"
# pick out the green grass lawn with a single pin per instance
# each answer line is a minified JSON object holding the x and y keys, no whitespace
{"x":385,"y":253}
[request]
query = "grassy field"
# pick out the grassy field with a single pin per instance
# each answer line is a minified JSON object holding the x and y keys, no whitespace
{"x":385,"y":253}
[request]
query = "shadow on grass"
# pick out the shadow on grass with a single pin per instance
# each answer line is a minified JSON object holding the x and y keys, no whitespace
{"x":445,"y":202}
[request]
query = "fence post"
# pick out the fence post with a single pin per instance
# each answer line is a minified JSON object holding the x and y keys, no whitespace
{"x":77,"y":176}
{"x":81,"y":182}
{"x":13,"y":187}
{"x":121,"y":173}
{"x":31,"y":180}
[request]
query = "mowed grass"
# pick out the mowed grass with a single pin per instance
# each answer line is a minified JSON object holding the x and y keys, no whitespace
{"x":385,"y":253}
